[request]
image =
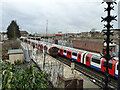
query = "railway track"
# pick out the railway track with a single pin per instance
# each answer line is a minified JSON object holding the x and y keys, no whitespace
{"x":94,"y":75}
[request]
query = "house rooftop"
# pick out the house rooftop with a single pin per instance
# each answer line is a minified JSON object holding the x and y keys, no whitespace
{"x":15,"y":51}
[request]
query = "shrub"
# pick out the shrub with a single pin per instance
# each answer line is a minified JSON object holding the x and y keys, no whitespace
{"x":15,"y":77}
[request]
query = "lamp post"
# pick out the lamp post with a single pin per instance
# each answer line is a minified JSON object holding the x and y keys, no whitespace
{"x":108,"y":19}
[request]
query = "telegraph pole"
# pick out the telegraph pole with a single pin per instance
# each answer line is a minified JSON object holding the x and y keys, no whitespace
{"x":44,"y":52}
{"x":108,"y":19}
{"x":119,"y":46}
{"x":119,"y":65}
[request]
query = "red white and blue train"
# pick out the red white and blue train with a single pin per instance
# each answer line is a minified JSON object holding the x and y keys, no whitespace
{"x":90,"y":59}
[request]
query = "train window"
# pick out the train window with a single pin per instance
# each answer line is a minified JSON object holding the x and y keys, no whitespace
{"x":75,"y":54}
{"x":96,"y":60}
{"x":110,"y":64}
{"x":54,"y":50}
{"x":104,"y":63}
{"x":87,"y":58}
{"x":117,"y":67}
{"x":64,"y":51}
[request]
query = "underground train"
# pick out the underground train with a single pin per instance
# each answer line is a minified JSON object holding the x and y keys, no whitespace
{"x":49,"y":48}
{"x":90,"y":59}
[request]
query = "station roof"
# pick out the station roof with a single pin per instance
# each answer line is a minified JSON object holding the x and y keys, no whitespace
{"x":15,"y":51}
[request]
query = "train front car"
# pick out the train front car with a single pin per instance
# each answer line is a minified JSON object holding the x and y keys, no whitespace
{"x":52,"y":50}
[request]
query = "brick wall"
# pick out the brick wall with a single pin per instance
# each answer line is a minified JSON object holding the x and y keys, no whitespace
{"x":88,"y":45}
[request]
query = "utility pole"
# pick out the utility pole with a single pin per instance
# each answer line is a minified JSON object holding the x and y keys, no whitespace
{"x":108,"y":19}
{"x":44,"y":51}
{"x":119,"y":64}
{"x":119,"y":46}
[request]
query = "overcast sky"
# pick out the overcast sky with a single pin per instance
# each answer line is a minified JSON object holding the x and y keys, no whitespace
{"x":66,"y":16}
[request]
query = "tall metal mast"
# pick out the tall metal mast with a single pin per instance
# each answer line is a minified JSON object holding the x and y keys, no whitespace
{"x":46,"y":28}
{"x":119,"y":46}
{"x":108,"y":19}
{"x":44,"y":52}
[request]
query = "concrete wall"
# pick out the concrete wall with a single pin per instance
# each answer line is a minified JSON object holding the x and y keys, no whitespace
{"x":72,"y":82}
{"x":13,"y":57}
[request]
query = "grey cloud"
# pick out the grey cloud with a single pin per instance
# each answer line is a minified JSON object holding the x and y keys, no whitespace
{"x":62,"y":16}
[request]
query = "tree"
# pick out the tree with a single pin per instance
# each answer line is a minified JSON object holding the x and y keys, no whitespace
{"x":13,"y":31}
{"x":92,"y":32}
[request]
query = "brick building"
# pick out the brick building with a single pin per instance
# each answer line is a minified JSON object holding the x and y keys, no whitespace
{"x":92,"y":45}
{"x":3,"y":36}
{"x":23,"y":33}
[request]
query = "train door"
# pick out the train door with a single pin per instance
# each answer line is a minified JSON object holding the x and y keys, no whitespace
{"x":103,"y":63}
{"x":45,"y":48}
{"x":116,"y":69}
{"x":79,"y":56}
{"x":32,"y":44}
{"x":61,"y":51}
{"x":39,"y":46}
{"x":87,"y":59}
{"x":36,"y":45}
{"x":69,"y":53}
{"x":112,"y":67}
